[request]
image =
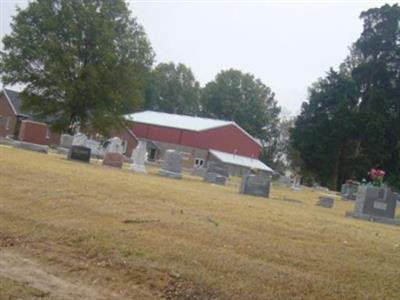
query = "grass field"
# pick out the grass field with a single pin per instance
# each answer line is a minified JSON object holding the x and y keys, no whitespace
{"x":76,"y":231}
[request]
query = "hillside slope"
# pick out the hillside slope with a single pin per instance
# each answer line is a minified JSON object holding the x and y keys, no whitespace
{"x":113,"y":234}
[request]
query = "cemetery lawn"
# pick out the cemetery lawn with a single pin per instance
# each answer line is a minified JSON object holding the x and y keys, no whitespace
{"x":71,"y":230}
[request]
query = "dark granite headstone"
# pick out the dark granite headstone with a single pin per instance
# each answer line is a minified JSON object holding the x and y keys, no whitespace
{"x":255,"y":185}
{"x":80,"y":153}
{"x":326,"y":202}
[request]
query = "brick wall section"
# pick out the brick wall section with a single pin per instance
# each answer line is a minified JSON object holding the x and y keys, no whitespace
{"x":33,"y":132}
{"x":6,"y":113}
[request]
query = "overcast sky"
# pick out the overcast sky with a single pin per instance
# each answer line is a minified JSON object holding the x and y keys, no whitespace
{"x":287,"y":44}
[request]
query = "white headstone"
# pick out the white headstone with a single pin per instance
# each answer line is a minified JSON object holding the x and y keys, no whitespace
{"x":66,"y":140}
{"x":115,"y":146}
{"x":296,"y":183}
{"x":95,"y":147}
{"x":139,"y":157}
{"x":79,"y":140}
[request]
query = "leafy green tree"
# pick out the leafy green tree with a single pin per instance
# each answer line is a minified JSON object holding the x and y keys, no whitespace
{"x":352,"y":120}
{"x":276,"y":150}
{"x":173,"y":89}
{"x":242,"y":98}
{"x":377,"y":75}
{"x":81,"y":62}
{"x":325,"y":133}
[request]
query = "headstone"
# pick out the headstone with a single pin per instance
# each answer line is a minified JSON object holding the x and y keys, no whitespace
{"x":216,"y":173}
{"x":139,"y":157}
{"x":255,"y":185}
{"x":66,"y":141}
{"x":79,"y":140}
{"x":349,"y":190}
{"x":296,"y":183}
{"x":31,"y":147}
{"x":378,"y":204}
{"x":326,"y":202}
{"x":172,"y":166}
{"x":114,"y":160}
{"x":215,"y":178}
{"x":216,"y":167}
{"x":114,"y":145}
{"x":80,"y":153}
{"x":33,"y":132}
{"x":96,"y":149}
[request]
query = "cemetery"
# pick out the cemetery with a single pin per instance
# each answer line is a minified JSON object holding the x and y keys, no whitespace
{"x":123,"y":175}
{"x":126,"y":217}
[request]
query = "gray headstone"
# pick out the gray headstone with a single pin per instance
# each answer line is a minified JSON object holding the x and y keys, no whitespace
{"x":326,"y":202}
{"x":31,"y":147}
{"x":79,"y":153}
{"x":172,"y":165}
{"x":375,"y":204}
{"x":255,"y":185}
{"x":349,"y":191}
{"x":219,"y":168}
{"x":215,"y":178}
{"x":139,"y":157}
{"x":216,"y":173}
{"x":375,"y":201}
{"x":66,"y":141}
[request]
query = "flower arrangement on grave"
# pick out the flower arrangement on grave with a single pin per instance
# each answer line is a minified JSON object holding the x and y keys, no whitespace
{"x":376,"y":176}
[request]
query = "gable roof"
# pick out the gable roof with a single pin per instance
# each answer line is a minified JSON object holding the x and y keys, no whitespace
{"x":182,"y":122}
{"x":240,"y":160}
{"x":176,"y":121}
{"x":14,"y":100}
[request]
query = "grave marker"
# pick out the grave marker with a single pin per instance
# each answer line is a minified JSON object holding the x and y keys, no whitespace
{"x":375,"y":203}
{"x":172,"y":165}
{"x":80,"y":153}
{"x":216,"y":173}
{"x":139,"y":157}
{"x":255,"y":185}
{"x":326,"y":202}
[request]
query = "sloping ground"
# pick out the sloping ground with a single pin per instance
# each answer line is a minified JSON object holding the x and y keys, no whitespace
{"x":93,"y":232}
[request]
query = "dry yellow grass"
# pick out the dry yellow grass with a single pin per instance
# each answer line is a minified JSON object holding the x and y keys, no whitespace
{"x":140,"y":236}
